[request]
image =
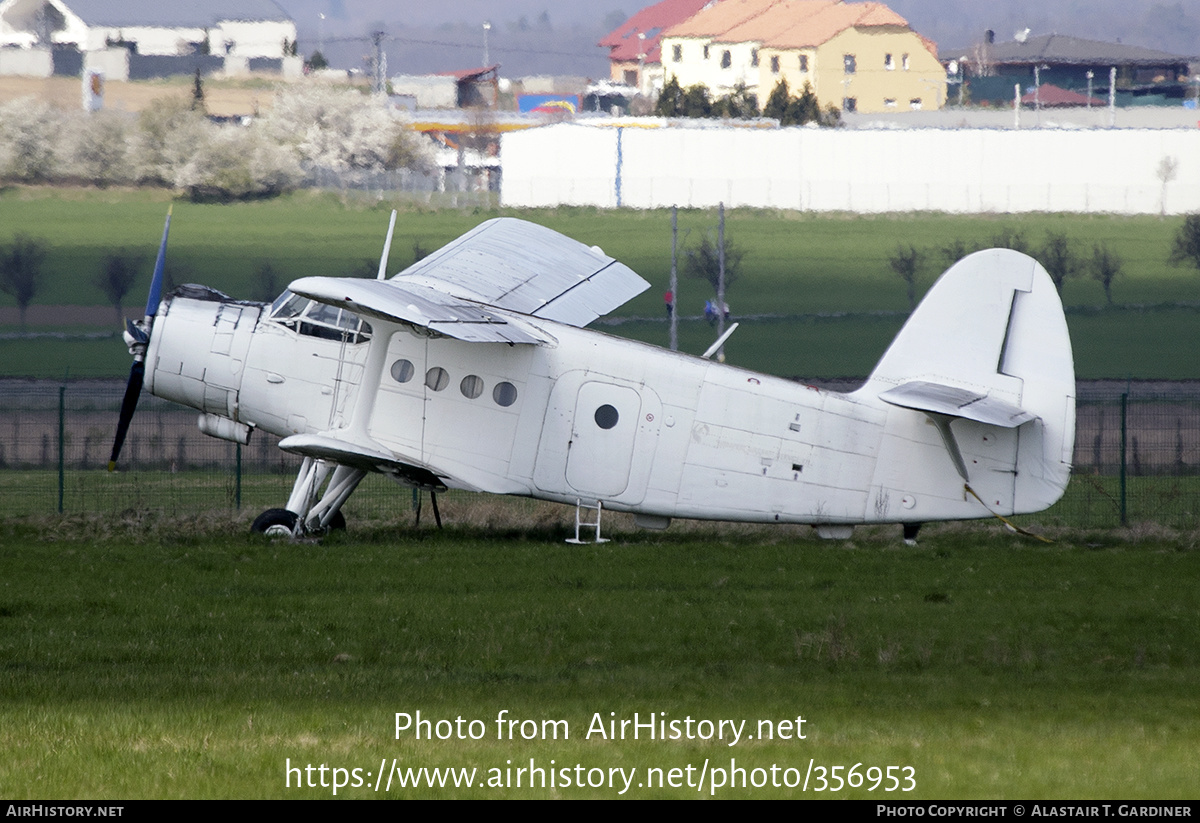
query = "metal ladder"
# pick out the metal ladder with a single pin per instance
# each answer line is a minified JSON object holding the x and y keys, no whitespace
{"x":580,"y":506}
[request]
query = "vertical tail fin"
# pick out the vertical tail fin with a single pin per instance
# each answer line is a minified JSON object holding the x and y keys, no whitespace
{"x":988,"y":346}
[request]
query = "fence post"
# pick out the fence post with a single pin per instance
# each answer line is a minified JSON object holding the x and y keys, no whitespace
{"x":62,"y":437}
{"x":1124,"y":440}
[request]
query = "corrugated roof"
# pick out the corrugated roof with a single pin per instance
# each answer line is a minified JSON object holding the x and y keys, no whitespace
{"x":1057,"y":48}
{"x":623,"y":43}
{"x":192,"y":14}
{"x":833,"y":20}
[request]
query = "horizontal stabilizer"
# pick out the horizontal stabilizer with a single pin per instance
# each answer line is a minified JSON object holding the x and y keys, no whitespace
{"x":937,"y":398}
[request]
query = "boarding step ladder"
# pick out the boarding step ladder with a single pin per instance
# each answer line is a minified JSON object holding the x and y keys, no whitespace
{"x":580,"y":523}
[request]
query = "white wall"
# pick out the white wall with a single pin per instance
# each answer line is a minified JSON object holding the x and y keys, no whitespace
{"x":112,"y":63}
{"x":34,"y":62}
{"x":959,"y":170}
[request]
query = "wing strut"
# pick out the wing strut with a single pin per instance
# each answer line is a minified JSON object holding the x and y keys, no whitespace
{"x":387,"y":247}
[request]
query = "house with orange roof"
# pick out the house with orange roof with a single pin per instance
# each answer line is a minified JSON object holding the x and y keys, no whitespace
{"x":634,"y":47}
{"x":860,"y":57}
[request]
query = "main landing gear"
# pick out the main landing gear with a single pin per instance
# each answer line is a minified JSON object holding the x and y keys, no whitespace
{"x":306,"y":512}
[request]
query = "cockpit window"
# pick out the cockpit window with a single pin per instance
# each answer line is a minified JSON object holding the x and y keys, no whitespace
{"x":288,"y":305}
{"x":314,"y":319}
{"x":324,"y":314}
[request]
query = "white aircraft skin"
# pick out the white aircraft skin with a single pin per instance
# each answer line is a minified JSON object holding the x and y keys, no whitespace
{"x":970,"y":412}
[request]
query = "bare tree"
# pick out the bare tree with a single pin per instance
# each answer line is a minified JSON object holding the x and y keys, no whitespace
{"x":1105,"y":267}
{"x":266,"y":282}
{"x":1168,"y":169}
{"x":21,"y":270}
{"x":1009,"y":238}
{"x":905,"y":261}
{"x":703,"y":262}
{"x":116,"y":277}
{"x":956,"y":250}
{"x":1059,"y":259}
{"x":1186,"y":248}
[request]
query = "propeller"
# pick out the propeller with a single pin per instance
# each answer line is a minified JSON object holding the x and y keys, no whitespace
{"x":137,"y":336}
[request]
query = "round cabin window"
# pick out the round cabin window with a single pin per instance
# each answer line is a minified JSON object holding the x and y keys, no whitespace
{"x":505,"y":394}
{"x":402,"y":371}
{"x":606,"y":416}
{"x":471,"y":386}
{"x":437,"y":378}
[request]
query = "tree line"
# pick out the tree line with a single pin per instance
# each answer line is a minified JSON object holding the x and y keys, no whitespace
{"x":790,"y":110}
{"x":1059,"y":256}
{"x":174,"y":144}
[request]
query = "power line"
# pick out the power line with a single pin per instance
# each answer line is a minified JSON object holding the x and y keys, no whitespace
{"x":413,"y":41}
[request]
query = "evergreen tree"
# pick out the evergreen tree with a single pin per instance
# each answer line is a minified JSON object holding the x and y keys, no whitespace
{"x":777,"y":101}
{"x":670,"y":99}
{"x":696,"y":102}
{"x":803,"y":109}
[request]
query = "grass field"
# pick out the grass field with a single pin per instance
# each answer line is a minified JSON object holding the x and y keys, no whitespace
{"x":170,"y":659}
{"x":823,"y":281}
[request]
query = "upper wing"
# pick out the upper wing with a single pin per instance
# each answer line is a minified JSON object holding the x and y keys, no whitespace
{"x":466,"y":288}
{"x":416,"y":305}
{"x":527,"y":268}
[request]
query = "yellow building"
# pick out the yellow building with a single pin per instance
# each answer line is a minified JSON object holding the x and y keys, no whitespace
{"x":857,"y":56}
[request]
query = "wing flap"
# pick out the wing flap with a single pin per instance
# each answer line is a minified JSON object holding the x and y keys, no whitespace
{"x":526,"y":268}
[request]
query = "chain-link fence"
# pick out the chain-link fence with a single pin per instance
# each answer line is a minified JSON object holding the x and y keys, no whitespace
{"x":442,"y":188}
{"x":1137,"y":457}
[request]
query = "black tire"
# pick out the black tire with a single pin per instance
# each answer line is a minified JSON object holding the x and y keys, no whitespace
{"x":275,"y":522}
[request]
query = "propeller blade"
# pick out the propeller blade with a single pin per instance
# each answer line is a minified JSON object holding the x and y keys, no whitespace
{"x":138,"y":335}
{"x":132,"y":389}
{"x":156,"y":282}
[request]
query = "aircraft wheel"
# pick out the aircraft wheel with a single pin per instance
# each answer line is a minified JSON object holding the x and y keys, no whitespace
{"x":275,"y":523}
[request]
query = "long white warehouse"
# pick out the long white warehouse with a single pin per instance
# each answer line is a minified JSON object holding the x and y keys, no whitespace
{"x":1123,"y":171}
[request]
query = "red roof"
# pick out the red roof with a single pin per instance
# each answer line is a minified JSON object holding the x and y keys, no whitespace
{"x":1051,"y":95}
{"x":623,"y":43}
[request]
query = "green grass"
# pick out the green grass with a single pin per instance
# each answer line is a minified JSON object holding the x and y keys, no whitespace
{"x":797,"y":267}
{"x":183,"y":659}
{"x":1090,"y":502}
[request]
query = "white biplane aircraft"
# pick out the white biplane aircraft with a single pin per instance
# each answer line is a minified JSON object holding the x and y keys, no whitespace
{"x":472,"y":369}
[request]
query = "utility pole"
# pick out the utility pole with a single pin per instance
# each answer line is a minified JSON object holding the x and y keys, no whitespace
{"x":380,"y":84}
{"x":721,"y":278}
{"x":674,"y":284}
{"x":1112,"y":97}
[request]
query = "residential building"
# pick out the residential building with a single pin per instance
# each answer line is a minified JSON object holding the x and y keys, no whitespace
{"x":856,"y":56}
{"x":1142,"y":75}
{"x":635,"y":54}
{"x":239,"y":34}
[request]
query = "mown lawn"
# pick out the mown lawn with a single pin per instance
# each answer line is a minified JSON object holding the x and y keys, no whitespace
{"x":181,"y":658}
